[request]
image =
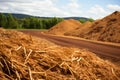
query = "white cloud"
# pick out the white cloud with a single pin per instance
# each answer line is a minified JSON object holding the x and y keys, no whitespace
{"x":96,"y":10}
{"x":73,"y":5}
{"x":55,"y":8}
{"x":72,"y":8}
{"x":38,"y":8}
{"x":114,"y":7}
{"x":41,"y":7}
{"x":20,"y":1}
{"x":73,"y":0}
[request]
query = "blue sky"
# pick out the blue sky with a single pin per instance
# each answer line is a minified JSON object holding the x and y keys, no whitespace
{"x":61,"y":8}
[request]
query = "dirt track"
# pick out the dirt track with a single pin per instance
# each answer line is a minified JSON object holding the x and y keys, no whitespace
{"x":107,"y":52}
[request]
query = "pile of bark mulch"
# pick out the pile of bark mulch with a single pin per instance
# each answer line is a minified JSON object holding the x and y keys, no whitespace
{"x":106,"y":29}
{"x":24,"y":57}
{"x":79,"y":30}
{"x":64,"y":27}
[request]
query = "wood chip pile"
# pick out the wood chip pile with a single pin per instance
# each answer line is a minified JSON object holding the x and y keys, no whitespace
{"x":24,"y":57}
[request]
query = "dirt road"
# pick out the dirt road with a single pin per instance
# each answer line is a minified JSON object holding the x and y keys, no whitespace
{"x":105,"y":51}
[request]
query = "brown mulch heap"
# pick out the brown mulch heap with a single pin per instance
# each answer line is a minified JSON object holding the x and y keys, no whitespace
{"x":106,"y":29}
{"x":64,"y":26}
{"x":79,"y":30}
{"x":24,"y":57}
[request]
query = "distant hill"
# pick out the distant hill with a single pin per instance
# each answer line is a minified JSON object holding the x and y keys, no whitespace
{"x":76,"y":18}
{"x":25,"y":16}
{"x":18,"y":15}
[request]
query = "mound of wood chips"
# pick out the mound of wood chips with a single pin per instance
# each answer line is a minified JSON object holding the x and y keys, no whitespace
{"x":106,"y":29}
{"x":24,"y":57}
{"x":64,"y":27}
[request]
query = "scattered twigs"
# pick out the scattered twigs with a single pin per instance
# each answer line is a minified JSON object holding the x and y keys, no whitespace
{"x":19,"y":63}
{"x":18,"y":75}
{"x":1,"y":64}
{"x":114,"y":73}
{"x":10,"y":78}
{"x":40,"y":51}
{"x":33,"y":72}
{"x":12,"y":65}
{"x":28,"y":56}
{"x":7,"y":66}
{"x":30,"y":74}
{"x":76,"y":59}
{"x":71,"y":70}
{"x":25,"y":52}
{"x":19,"y":48}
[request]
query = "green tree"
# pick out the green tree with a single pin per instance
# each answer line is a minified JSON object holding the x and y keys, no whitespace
{"x":32,"y":23}
{"x":11,"y":22}
{"x":90,"y":19}
{"x":41,"y":24}
{"x":26,"y":23}
{"x":82,"y":20}
{"x":3,"y":20}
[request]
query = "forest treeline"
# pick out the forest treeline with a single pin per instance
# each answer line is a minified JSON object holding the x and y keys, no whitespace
{"x":11,"y":22}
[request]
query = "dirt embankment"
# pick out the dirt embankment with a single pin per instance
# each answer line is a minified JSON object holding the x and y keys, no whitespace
{"x":24,"y":57}
{"x":64,"y":26}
